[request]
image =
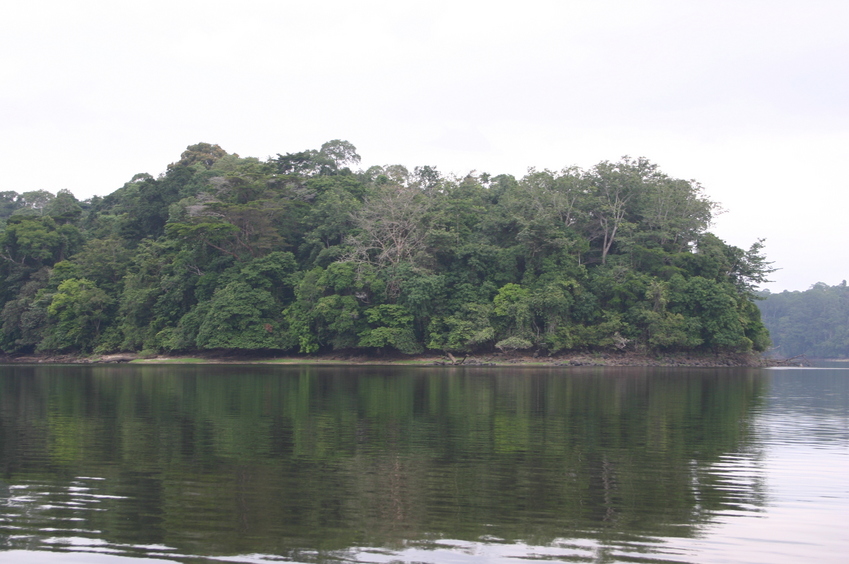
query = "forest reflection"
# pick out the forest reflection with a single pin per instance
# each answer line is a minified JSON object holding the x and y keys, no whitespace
{"x":214,"y":460}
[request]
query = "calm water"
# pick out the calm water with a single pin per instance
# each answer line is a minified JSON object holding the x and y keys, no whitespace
{"x":258,"y":464}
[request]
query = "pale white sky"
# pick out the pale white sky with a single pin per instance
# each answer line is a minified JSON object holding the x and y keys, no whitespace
{"x":749,"y":97}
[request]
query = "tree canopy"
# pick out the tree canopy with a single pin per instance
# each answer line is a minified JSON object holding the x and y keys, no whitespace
{"x":813,"y":323}
{"x":302,"y":253}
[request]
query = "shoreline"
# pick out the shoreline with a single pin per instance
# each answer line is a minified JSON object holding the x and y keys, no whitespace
{"x":751,"y":360}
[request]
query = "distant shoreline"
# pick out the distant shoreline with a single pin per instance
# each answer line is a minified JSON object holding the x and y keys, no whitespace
{"x":436,"y":359}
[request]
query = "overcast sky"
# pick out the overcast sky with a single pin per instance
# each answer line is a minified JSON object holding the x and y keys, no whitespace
{"x":750,"y":98}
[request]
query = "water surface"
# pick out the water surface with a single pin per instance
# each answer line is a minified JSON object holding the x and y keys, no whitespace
{"x":127,"y":464}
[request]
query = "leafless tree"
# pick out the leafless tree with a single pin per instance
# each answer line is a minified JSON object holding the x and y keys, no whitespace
{"x":390,"y":227}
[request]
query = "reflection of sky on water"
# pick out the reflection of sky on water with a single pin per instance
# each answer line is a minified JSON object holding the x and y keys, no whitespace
{"x":808,"y":407}
{"x":798,"y":457}
{"x":803,"y":430}
{"x":31,"y":557}
{"x":804,"y":519}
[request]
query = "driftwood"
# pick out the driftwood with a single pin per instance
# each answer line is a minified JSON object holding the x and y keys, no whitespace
{"x":112,"y":358}
{"x":798,"y":360}
{"x":454,"y":361}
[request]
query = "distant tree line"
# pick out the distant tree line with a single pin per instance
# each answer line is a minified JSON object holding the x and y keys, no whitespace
{"x":814,"y":322}
{"x":300,"y":252}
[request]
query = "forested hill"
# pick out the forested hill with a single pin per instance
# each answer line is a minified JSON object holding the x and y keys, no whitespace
{"x":814,"y":322}
{"x":303,"y":253}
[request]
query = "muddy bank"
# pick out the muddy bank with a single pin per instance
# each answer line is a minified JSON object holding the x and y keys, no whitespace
{"x":495,"y":359}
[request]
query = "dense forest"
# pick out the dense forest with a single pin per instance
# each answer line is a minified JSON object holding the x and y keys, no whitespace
{"x":814,"y":322}
{"x":301,"y":253}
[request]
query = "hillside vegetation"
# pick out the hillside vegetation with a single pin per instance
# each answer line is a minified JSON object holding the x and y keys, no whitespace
{"x":301,"y":252}
{"x":813,"y":323}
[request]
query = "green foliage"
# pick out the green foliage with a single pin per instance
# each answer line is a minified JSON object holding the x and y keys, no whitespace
{"x":78,"y":311}
{"x":465,"y":331}
{"x":64,"y":208}
{"x":814,"y":322}
{"x":665,"y":330}
{"x":30,"y":240}
{"x":606,"y":334}
{"x":302,"y":252}
{"x":105,"y":262}
{"x":241,"y":317}
{"x":10,"y":201}
{"x":203,"y":154}
{"x":24,"y":318}
{"x":716,"y":308}
{"x":511,"y":344}
{"x":273,"y":272}
{"x":328,"y":308}
{"x":390,"y":326}
{"x":146,"y":207}
{"x":512,"y":309}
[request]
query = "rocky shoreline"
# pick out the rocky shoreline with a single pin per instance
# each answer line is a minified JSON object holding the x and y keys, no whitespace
{"x":495,"y":359}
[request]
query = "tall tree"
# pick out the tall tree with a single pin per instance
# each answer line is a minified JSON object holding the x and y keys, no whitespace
{"x":390,"y":230}
{"x":80,"y":309}
{"x":203,"y":154}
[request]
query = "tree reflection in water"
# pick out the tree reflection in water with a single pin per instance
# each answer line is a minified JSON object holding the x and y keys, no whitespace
{"x":313,"y":463}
